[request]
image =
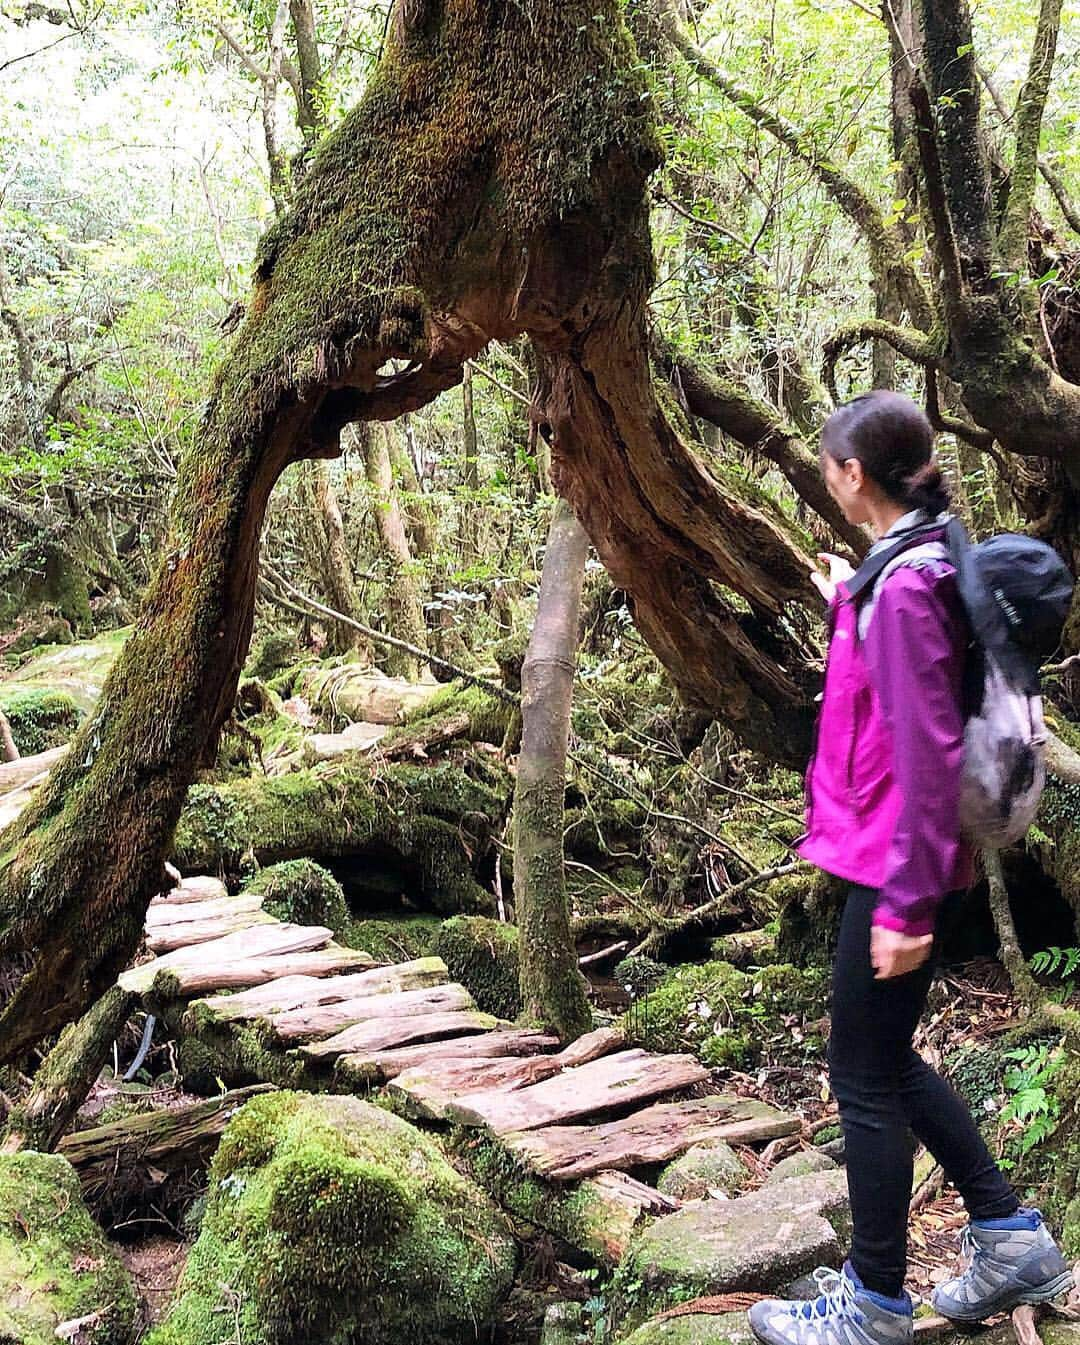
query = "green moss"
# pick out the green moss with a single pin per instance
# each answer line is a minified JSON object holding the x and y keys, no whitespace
{"x":211,"y":1053}
{"x":55,"y":1265}
{"x":429,"y":821}
{"x":272,"y":652}
{"x":39,"y":719}
{"x":488,"y":715}
{"x":390,"y":940}
{"x":483,"y":955}
{"x":332,"y":1220}
{"x":301,"y":892}
{"x":722,"y":1014}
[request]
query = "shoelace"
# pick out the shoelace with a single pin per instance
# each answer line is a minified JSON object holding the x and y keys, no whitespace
{"x":970,"y":1248}
{"x":837,"y":1297}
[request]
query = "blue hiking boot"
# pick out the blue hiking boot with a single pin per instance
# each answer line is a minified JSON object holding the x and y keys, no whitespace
{"x":1006,"y":1262}
{"x":845,"y":1314}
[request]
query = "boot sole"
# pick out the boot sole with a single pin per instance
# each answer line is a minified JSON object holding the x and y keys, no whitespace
{"x":1041,"y":1293}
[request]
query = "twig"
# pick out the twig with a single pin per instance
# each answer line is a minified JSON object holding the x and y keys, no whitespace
{"x":927,"y":1189}
{"x":503,"y":387}
{"x":590,"y":958}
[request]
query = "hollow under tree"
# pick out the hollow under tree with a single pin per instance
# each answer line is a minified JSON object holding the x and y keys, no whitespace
{"x":490,"y":183}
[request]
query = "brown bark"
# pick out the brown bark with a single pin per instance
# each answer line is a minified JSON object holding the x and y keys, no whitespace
{"x":552,"y":988}
{"x":414,"y":237}
{"x":7,"y":740}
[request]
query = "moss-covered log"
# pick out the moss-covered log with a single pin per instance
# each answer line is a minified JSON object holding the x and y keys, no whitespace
{"x":421,"y":829}
{"x":457,"y":203}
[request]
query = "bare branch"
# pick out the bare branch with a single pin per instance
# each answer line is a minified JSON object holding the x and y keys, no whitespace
{"x":916,"y":346}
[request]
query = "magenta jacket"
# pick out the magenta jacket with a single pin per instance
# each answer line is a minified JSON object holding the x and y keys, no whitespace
{"x":883,"y":788}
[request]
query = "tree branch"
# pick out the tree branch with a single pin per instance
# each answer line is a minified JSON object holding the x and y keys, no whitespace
{"x":915,"y":346}
{"x":886,"y":245}
{"x":1030,"y":108}
{"x":1050,"y":174}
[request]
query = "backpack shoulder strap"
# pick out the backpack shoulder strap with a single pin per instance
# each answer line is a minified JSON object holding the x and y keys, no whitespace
{"x":873,"y":566}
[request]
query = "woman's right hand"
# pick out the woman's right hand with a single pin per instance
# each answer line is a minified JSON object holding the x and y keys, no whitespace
{"x":839,"y":572}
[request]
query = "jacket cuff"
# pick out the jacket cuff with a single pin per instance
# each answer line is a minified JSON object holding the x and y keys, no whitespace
{"x":914,"y":927}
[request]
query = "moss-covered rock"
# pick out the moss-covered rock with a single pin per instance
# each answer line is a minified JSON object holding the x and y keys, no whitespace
{"x":302,"y":892}
{"x":394,"y":939}
{"x":330,"y":1220}
{"x":39,"y":719}
{"x":271,"y":652}
{"x":800,"y":1165}
{"x":760,"y":1242}
{"x":79,"y":670}
{"x":724,"y":1015}
{"x":55,"y":1264}
{"x":421,"y":828}
{"x":703,"y":1169}
{"x":483,"y":955}
{"x":694,"y":1328}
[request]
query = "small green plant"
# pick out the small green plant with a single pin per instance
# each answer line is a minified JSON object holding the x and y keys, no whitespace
{"x":1032,"y":1105}
{"x":1057,"y":961}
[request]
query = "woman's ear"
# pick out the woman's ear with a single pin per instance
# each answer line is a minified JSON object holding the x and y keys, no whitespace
{"x":854,"y":474}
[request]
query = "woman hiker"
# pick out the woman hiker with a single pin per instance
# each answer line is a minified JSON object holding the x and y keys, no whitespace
{"x":882,"y":813}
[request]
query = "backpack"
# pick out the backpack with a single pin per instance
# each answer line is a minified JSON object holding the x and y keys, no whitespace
{"x":1016,"y":593}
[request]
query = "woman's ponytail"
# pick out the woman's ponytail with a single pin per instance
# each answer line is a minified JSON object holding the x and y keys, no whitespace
{"x":927,"y":489}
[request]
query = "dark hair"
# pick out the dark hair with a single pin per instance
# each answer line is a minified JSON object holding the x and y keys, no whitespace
{"x":894,"y":441}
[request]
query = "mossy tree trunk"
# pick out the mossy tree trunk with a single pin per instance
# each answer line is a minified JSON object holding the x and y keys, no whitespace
{"x":456,"y":204}
{"x":331,"y":556}
{"x":552,"y":987}
{"x":406,"y":612}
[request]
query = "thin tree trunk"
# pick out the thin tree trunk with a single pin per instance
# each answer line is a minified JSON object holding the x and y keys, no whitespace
{"x":407,"y":614}
{"x":7,"y":739}
{"x":470,"y":475}
{"x":419,"y":516}
{"x":332,"y":556}
{"x":67,"y":1075}
{"x":552,"y":988}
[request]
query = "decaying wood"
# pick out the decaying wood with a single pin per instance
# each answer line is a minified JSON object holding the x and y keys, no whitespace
{"x":616,"y":1081}
{"x":190,"y":979}
{"x":385,"y":1036}
{"x":294,"y":992}
{"x":169,"y":937}
{"x":431,"y":1089}
{"x":380,"y":1066}
{"x":311,"y":1021}
{"x":145,"y":1149}
{"x":174,"y":914}
{"x":609,"y":1207}
{"x":190,"y":890}
{"x":235,"y":960}
{"x":17,"y":774}
{"x":592,"y":1046}
{"x":655,"y":1135}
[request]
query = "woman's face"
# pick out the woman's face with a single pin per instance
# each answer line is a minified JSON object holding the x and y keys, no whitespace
{"x":847,"y":483}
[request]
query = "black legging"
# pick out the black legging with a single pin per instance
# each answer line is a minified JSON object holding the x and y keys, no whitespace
{"x":885,"y":1090}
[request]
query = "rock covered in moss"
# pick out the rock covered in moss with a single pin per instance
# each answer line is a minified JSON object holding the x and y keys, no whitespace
{"x":563,"y":1324}
{"x":694,"y":1328}
{"x":40,"y":719}
{"x":55,"y":1264}
{"x":329,"y":1219}
{"x":302,"y":892}
{"x":724,"y":1015}
{"x":271,"y":652}
{"x":800,"y":1165}
{"x":760,"y":1242}
{"x":483,"y":956}
{"x":389,"y":939}
{"x":703,"y":1169}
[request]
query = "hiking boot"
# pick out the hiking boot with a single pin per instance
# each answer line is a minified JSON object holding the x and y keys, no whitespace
{"x":1006,"y":1262}
{"x":845,"y":1314}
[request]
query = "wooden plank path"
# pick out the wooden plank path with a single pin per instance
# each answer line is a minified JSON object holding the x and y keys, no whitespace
{"x":594,"y":1113}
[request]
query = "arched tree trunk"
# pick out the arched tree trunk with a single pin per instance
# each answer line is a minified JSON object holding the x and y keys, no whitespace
{"x":552,"y":988}
{"x":457,"y":203}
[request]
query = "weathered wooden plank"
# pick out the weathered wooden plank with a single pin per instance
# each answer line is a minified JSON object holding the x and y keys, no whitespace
{"x":655,"y":1135}
{"x":201,"y":888}
{"x":378,"y":1066}
{"x":293,"y":992}
{"x":18,"y":774}
{"x":618,"y":1080}
{"x":384,"y":1036}
{"x":614,"y":1205}
{"x":320,"y":1020}
{"x":190,"y":933}
{"x":167,"y":913}
{"x":429,"y":1090}
{"x":215,"y":959}
{"x":192,"y":979}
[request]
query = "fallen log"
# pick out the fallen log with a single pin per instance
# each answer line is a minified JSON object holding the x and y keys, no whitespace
{"x":385,"y":1036}
{"x":360,"y":1068}
{"x":127,"y":1163}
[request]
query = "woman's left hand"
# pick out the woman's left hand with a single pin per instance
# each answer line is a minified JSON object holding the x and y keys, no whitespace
{"x":895,"y":954}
